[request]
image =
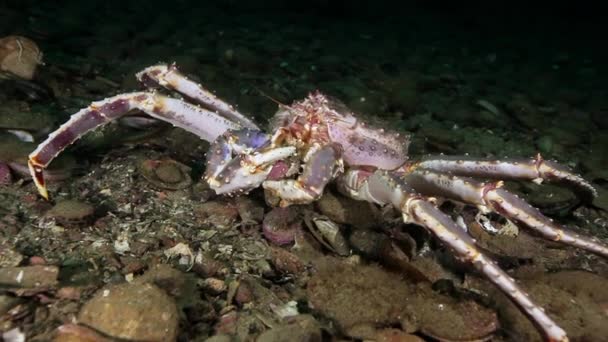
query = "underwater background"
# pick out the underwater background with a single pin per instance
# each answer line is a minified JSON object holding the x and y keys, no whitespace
{"x":129,"y":212}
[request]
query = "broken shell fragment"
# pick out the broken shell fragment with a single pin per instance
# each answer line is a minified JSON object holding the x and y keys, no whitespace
{"x":166,"y":174}
{"x":19,"y":56}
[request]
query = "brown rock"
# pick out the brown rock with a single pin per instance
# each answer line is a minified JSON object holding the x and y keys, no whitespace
{"x":141,"y":312}
{"x":29,"y":276}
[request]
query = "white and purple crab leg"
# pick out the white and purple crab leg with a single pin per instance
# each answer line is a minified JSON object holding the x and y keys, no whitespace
{"x":383,"y":187}
{"x":320,"y":166}
{"x":206,"y":124}
{"x":491,"y":197}
{"x":169,"y":77}
{"x":535,"y":169}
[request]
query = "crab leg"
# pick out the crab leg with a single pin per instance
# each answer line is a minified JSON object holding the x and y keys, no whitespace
{"x":491,"y":197}
{"x":535,"y":169}
{"x":382,"y":187}
{"x":207,"y":125}
{"x":169,"y":77}
{"x":320,"y":166}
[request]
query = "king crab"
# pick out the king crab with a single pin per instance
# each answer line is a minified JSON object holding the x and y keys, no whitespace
{"x":319,"y":140}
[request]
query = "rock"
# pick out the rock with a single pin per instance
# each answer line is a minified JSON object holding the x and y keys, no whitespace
{"x":396,"y":335}
{"x":6,"y":177}
{"x":345,"y":210}
{"x":173,"y":281}
{"x":219,"y":214}
{"x":298,"y":328}
{"x":285,"y":262}
{"x":141,"y":312}
{"x":7,"y":303}
{"x":357,"y":297}
{"x":29,"y":276}
{"x":281,"y":225}
{"x":72,"y":213}
{"x":249,"y":210}
{"x":78,"y":333}
{"x":9,"y":257}
{"x":19,"y":56}
{"x":367,"y":242}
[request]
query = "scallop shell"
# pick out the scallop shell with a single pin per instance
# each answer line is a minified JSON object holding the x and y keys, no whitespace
{"x":19,"y":56}
{"x":166,"y":174}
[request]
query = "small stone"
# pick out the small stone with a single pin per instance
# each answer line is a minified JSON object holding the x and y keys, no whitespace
{"x":173,"y":281}
{"x":72,"y":213}
{"x":250,"y":211}
{"x":215,"y":286}
{"x":8,"y":256}
{"x":6,"y":177}
{"x":244,"y":294}
{"x":297,"y":328}
{"x":69,"y":292}
{"x":285,"y":261}
{"x":396,"y":335}
{"x":29,"y":276}
{"x":281,"y":225}
{"x":141,"y":312}
{"x":77,"y":333}
{"x":345,"y":210}
{"x":219,"y":214}
{"x":37,"y":260}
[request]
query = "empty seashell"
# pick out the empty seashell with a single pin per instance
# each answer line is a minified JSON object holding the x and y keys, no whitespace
{"x":19,"y":56}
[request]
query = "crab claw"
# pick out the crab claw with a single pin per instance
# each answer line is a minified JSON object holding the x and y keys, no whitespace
{"x":247,"y":171}
{"x":241,"y":160}
{"x":37,"y":175}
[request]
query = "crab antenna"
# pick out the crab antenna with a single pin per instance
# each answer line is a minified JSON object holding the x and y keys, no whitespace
{"x":279,"y":103}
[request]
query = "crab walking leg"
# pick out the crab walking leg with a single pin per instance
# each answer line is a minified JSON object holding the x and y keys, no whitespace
{"x":382,"y":187}
{"x":169,"y":77}
{"x":535,"y":169}
{"x":207,"y":125}
{"x":491,"y":197}
{"x":321,"y":164}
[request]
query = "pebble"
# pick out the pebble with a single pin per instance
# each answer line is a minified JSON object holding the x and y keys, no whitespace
{"x":141,"y":312}
{"x":286,"y":262}
{"x":281,"y":225}
{"x":72,"y":213}
{"x":219,"y":214}
{"x":6,"y":177}
{"x":345,"y":210}
{"x":9,"y":257}
{"x":29,"y":276}
{"x":214,"y":286}
{"x":297,"y":328}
